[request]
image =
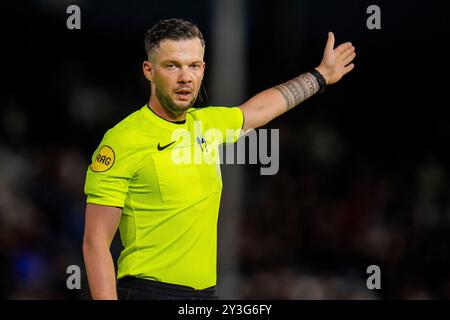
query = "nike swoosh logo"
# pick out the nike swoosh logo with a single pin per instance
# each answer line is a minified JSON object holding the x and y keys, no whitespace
{"x":160,"y":148}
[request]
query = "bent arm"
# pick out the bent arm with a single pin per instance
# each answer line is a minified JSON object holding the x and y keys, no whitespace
{"x":100,"y":227}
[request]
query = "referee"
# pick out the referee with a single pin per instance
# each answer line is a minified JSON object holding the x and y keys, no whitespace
{"x":166,"y":208}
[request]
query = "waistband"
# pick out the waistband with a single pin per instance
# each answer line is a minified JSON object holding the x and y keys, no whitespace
{"x":163,"y":287}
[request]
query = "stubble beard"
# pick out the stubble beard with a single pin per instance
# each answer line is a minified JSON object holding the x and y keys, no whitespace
{"x":170,"y":105}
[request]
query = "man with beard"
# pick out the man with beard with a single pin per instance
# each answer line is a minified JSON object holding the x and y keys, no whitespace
{"x":152,"y":175}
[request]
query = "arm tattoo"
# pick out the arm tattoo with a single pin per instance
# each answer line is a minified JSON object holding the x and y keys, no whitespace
{"x":298,"y":89}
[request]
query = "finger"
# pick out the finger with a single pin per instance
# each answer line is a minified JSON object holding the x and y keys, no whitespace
{"x":330,"y":42}
{"x":347,"y":52}
{"x":349,"y":68}
{"x":344,"y":46}
{"x":349,"y":58}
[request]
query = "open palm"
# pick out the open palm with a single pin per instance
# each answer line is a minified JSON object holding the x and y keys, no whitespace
{"x":336,"y":62}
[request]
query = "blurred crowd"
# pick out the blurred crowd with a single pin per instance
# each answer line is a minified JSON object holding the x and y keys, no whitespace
{"x":357,"y":186}
{"x":41,"y":221}
{"x":308,"y":232}
{"x":315,"y":227}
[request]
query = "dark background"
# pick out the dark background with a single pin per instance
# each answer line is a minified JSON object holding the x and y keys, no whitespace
{"x":364,"y":166}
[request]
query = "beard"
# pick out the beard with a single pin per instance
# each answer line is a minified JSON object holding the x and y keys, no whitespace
{"x":168,"y":103}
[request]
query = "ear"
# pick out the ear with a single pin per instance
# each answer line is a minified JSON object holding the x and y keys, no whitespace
{"x":203,"y":67}
{"x":147,"y":69}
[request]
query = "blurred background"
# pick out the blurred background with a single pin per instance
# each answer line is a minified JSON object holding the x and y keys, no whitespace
{"x":364,"y":167}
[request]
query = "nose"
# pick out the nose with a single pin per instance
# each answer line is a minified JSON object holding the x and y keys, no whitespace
{"x":185,"y":76}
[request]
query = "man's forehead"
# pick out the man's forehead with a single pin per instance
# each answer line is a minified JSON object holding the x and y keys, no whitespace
{"x":186,"y":49}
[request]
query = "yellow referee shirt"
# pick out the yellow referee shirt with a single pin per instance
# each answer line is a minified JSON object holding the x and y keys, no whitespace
{"x":166,"y":177}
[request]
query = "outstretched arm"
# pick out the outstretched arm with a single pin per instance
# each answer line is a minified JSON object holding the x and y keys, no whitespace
{"x":271,"y":103}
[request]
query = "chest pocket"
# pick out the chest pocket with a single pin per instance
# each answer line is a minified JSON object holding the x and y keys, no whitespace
{"x":180,"y":182}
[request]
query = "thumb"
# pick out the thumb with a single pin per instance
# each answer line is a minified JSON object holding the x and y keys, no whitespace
{"x":330,"y":42}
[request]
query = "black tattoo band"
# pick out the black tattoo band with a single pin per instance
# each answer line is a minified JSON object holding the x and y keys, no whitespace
{"x":298,"y":89}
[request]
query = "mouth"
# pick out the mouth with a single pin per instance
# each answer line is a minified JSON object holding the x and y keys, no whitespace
{"x":183,"y":94}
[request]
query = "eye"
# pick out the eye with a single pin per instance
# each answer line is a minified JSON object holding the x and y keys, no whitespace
{"x":195,"y":66}
{"x":170,"y":66}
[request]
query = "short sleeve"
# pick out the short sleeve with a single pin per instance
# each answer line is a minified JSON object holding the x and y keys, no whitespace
{"x":228,"y":120}
{"x":111,"y":170}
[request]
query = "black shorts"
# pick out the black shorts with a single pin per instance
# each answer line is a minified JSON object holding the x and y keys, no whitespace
{"x":131,"y":288}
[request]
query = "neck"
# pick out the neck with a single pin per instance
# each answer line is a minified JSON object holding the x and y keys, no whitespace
{"x":163,"y":112}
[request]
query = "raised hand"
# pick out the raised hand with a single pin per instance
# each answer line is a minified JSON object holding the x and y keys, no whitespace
{"x":336,"y":62}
